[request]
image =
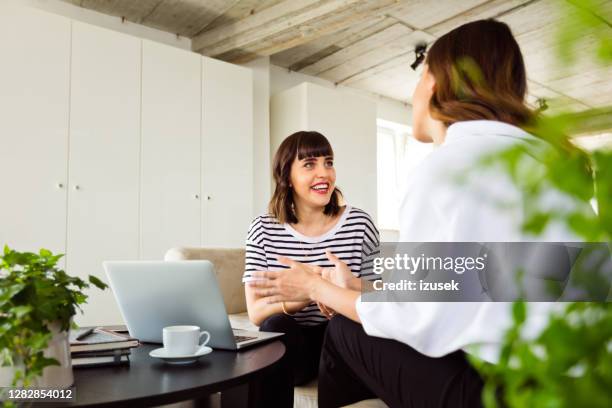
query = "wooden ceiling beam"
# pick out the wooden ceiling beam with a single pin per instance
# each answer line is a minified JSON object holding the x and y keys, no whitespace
{"x":240,"y":10}
{"x":258,"y":26}
{"x":186,"y":17}
{"x":420,"y":14}
{"x":133,"y":11}
{"x":290,"y":30}
{"x":490,"y":9}
{"x":299,"y":35}
{"x":386,"y":52}
{"x":404,"y":59}
{"x":297,"y":55}
{"x":366,"y":45}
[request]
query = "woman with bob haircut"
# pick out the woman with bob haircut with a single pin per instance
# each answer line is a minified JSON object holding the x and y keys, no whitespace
{"x":470,"y":100}
{"x":306,"y":220}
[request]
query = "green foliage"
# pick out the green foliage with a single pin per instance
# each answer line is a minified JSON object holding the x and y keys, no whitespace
{"x":570,"y":363}
{"x":33,"y":293}
{"x":588,"y":20}
{"x":535,"y":168}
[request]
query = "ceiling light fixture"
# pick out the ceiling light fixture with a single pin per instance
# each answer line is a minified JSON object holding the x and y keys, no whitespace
{"x":419,"y":51}
{"x":541,"y":104}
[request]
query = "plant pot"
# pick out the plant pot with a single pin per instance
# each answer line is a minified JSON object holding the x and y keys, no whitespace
{"x":52,"y":376}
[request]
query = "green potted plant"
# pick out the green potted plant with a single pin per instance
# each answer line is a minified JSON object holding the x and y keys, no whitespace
{"x":37,"y":303}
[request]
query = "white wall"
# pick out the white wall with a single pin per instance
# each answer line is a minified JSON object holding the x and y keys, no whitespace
{"x":84,"y":15}
{"x":261,"y":135}
{"x":386,"y":108}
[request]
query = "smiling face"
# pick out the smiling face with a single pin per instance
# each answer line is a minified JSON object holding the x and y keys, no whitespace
{"x":305,"y":178}
{"x":313,"y":180}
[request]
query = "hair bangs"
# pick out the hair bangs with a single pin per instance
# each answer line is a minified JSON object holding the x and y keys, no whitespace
{"x":313,"y":144}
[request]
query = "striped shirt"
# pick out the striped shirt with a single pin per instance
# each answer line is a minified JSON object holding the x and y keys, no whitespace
{"x":353,"y":234}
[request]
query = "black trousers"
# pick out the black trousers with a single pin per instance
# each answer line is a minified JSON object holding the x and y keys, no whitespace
{"x":355,"y":366}
{"x":299,"y":365}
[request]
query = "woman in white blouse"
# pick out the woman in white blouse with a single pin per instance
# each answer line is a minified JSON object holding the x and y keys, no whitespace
{"x":413,"y":353}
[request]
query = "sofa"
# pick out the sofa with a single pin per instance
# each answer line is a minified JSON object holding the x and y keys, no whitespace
{"x":229,"y":267}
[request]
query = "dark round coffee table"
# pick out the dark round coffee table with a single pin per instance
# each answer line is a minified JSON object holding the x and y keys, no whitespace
{"x":148,"y":381}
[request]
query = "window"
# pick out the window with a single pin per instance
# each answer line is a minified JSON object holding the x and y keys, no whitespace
{"x":398,"y":154}
{"x":590,"y":143}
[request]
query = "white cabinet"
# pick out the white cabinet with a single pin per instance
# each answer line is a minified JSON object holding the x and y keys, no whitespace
{"x":170,"y":205}
{"x":227,"y":153}
{"x":116,"y":148}
{"x":348,"y":122}
{"x":104,"y":168}
{"x":34,"y":76}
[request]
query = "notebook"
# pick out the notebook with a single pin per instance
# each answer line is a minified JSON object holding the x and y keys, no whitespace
{"x":101,"y":339}
{"x":90,"y":359}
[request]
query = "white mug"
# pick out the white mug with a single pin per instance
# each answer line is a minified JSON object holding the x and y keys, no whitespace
{"x":184,"y":340}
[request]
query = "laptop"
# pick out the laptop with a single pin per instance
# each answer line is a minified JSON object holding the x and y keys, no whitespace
{"x":154,"y":294}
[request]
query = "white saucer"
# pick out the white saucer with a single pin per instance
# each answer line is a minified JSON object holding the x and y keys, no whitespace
{"x":161,"y":354}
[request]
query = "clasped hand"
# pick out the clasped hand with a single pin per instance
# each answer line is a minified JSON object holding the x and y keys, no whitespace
{"x":300,"y":281}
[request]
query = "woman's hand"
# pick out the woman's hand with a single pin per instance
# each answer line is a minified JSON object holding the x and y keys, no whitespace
{"x":340,"y":274}
{"x":294,"y":284}
{"x":298,"y":283}
{"x":304,"y":282}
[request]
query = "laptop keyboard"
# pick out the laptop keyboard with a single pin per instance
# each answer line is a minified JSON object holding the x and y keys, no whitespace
{"x":240,"y":339}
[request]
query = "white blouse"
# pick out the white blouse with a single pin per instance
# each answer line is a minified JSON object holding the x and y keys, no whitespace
{"x":438,"y":207}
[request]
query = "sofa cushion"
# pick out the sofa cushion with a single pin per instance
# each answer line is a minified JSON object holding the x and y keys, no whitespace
{"x":229,"y":268}
{"x":241,"y":321}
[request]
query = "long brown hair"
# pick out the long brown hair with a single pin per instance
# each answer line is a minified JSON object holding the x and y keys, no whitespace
{"x":299,"y":145}
{"x":480,"y":74}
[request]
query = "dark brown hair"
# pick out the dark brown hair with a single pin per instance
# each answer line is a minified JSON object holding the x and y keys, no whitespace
{"x":480,"y":74}
{"x":299,"y":145}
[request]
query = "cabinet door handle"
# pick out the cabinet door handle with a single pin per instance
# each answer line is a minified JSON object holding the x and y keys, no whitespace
{"x":208,"y":197}
{"x":77,"y":187}
{"x":60,"y":185}
{"x":196,"y":196}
